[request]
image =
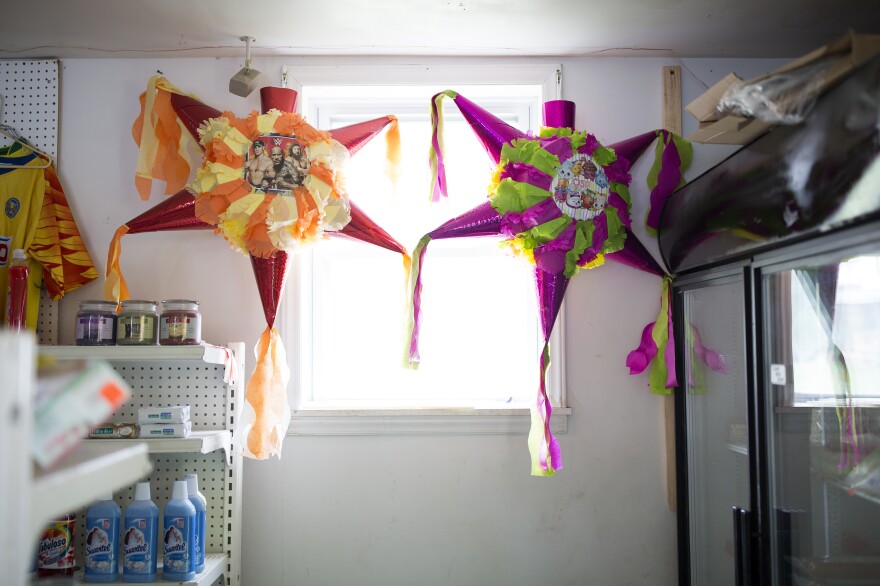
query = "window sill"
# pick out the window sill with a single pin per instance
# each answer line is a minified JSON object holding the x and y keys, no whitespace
{"x":419,"y":421}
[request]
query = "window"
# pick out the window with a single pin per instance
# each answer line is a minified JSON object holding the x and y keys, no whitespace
{"x":344,"y":318}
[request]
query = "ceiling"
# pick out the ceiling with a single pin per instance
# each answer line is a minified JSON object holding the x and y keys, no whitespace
{"x":198,"y":28}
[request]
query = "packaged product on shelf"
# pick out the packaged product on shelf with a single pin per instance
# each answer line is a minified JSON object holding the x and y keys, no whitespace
{"x":178,"y":563}
{"x":154,"y":430}
{"x":140,"y":539}
{"x":16,"y":295}
{"x":55,"y":551}
{"x":180,"y":323}
{"x":69,"y":400}
{"x":201,"y":504}
{"x":96,"y":323}
{"x":115,"y":431}
{"x":103,"y":518}
{"x":172,"y":414}
{"x":137,"y":323}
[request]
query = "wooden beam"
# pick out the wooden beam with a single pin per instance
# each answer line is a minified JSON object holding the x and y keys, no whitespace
{"x":672,"y":99}
{"x":672,"y":123}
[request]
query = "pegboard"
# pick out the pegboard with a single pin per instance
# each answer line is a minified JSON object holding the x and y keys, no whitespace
{"x":175,"y":382}
{"x":29,"y":102}
{"x":47,"y":319}
{"x":29,"y":92}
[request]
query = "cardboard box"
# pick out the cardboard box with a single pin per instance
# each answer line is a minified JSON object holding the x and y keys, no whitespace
{"x":731,"y":130}
{"x":848,"y":52}
{"x":705,"y":108}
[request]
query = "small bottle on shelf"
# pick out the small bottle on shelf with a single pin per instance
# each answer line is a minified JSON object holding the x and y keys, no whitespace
{"x":17,"y":293}
{"x":178,"y":563}
{"x":201,"y":504}
{"x":102,"y":541}
{"x":140,"y":541}
{"x":55,"y":551}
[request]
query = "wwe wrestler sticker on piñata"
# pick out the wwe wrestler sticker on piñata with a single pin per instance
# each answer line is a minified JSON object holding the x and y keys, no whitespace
{"x":276,"y":164}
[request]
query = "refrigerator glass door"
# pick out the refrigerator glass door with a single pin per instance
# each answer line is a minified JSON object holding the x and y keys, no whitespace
{"x":715,"y":389}
{"x":822,"y":399}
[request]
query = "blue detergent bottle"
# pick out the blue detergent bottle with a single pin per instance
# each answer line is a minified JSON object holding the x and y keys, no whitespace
{"x":140,"y":537}
{"x":201,"y":504}
{"x":178,"y":563}
{"x":102,"y":541}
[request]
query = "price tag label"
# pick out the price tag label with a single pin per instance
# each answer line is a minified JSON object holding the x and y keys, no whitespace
{"x":777,"y":374}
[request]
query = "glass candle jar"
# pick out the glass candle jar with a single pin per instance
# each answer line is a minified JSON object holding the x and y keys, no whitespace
{"x":137,"y":324}
{"x":96,"y":323}
{"x":180,"y":322}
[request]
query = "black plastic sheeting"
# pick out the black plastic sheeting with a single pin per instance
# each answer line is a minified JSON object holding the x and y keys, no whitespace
{"x":788,"y":184}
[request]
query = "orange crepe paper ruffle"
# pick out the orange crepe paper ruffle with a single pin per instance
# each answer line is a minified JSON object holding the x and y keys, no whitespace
{"x":308,"y":227}
{"x":247,"y":126}
{"x":257,"y":234}
{"x":210,"y":205}
{"x":328,"y":176}
{"x":293,"y":124}
{"x":218,"y":151}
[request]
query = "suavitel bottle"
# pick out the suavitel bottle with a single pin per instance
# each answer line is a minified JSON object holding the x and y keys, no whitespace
{"x":201,"y":504}
{"x":102,"y":541}
{"x":140,"y":537}
{"x":178,"y":563}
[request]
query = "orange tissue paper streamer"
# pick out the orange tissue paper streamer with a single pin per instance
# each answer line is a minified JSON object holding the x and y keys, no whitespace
{"x":115,"y":287}
{"x":392,"y":151}
{"x":266,"y":394}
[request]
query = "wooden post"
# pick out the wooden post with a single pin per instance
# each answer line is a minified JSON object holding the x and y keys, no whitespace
{"x":672,"y":99}
{"x":672,"y":123}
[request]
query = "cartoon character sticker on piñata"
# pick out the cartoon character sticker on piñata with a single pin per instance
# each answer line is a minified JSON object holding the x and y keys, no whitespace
{"x":276,"y":164}
{"x":580,"y":187}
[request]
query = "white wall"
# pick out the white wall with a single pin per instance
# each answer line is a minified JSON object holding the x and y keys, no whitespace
{"x":413,"y":510}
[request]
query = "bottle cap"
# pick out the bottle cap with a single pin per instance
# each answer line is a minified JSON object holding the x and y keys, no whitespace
{"x":19,"y":254}
{"x":179,"y":492}
{"x":142,"y":491}
{"x":107,"y":497}
{"x":192,"y":484}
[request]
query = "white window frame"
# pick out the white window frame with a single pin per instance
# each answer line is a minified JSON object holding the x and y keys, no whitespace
{"x":419,"y":421}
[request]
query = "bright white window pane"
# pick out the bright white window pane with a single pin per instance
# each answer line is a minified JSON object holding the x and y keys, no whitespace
{"x":480,"y":335}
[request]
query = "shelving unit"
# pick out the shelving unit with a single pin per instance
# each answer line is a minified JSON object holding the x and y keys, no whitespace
{"x":215,"y":563}
{"x":207,"y":378}
{"x":198,"y":442}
